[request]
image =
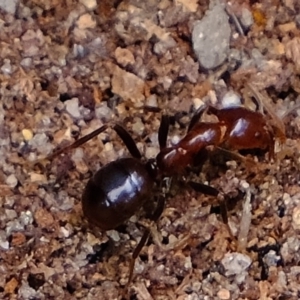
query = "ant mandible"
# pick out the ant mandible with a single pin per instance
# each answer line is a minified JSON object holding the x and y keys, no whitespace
{"x":120,"y":189}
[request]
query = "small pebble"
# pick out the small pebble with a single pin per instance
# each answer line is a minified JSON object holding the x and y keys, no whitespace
{"x":297,"y":20}
{"x":163,"y":46}
{"x":13,"y":226}
{"x":235,"y":263}
{"x":26,"y":292}
{"x":151,"y":101}
{"x":26,"y":217}
{"x":10,"y":6}
{"x":282,"y":282}
{"x":190,"y":69}
{"x":91,"y":239}
{"x":128,"y":86}
{"x":151,"y":152}
{"x":79,"y":51}
{"x":10,"y":214}
{"x":231,"y":99}
{"x":72,"y":107}
{"x":197,"y":102}
{"x":26,"y":62}
{"x":138,"y":127}
{"x":36,"y":177}
{"x":86,"y":21}
{"x":46,"y":120}
{"x":246,"y":18}
{"x":166,"y":82}
{"x":89,"y":4}
{"x":211,"y":37}
{"x":27,"y":134}
{"x":17,"y":239}
{"x":114,"y":235}
{"x":188,"y":4}
{"x":65,"y":233}
{"x":108,"y":147}
{"x":11,"y":286}
{"x":296,"y":218}
{"x":4,"y":245}
{"x":12,"y":181}
{"x":6,"y":67}
{"x":67,"y":202}
{"x":271,"y":258}
{"x":39,"y":141}
{"x":223,"y":294}
{"x":284,"y":28}
{"x":124,"y":57}
{"x":43,"y":218}
{"x":103,"y":112}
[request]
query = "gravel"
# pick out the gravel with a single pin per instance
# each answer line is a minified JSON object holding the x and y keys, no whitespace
{"x":68,"y":68}
{"x":9,"y":6}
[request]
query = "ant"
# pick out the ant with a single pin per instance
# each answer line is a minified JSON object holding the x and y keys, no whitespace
{"x":122,"y":187}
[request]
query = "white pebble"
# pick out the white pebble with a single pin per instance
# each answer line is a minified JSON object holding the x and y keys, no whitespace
{"x":72,"y":107}
{"x":39,"y":140}
{"x":235,"y":263}
{"x":26,"y":62}
{"x":12,"y":181}
{"x":138,"y":127}
{"x":9,"y":6}
{"x":89,"y":4}
{"x":197,"y":102}
{"x":231,"y":99}
{"x":26,"y":217}
{"x":151,"y":101}
{"x":114,"y":235}
{"x":4,"y":245}
{"x":64,"y":232}
{"x":6,"y":67}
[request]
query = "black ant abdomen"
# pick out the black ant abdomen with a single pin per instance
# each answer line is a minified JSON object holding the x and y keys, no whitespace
{"x":116,"y":192}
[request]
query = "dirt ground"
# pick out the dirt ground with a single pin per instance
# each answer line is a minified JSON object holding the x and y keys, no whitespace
{"x":68,"y":67}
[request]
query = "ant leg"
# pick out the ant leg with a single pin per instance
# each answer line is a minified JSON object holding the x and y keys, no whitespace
{"x":78,"y":143}
{"x":196,"y":117}
{"x":203,"y":188}
{"x":211,"y":191}
{"x":165,"y":122}
{"x":122,"y":133}
{"x":249,"y":162}
{"x":223,"y":210}
{"x":135,"y":254}
{"x":128,"y":141}
{"x":200,"y":158}
{"x":208,"y":190}
{"x":154,"y":218}
{"x":163,"y":131}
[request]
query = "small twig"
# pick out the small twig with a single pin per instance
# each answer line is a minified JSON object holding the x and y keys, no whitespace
{"x":235,"y":20}
{"x":246,"y":219}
